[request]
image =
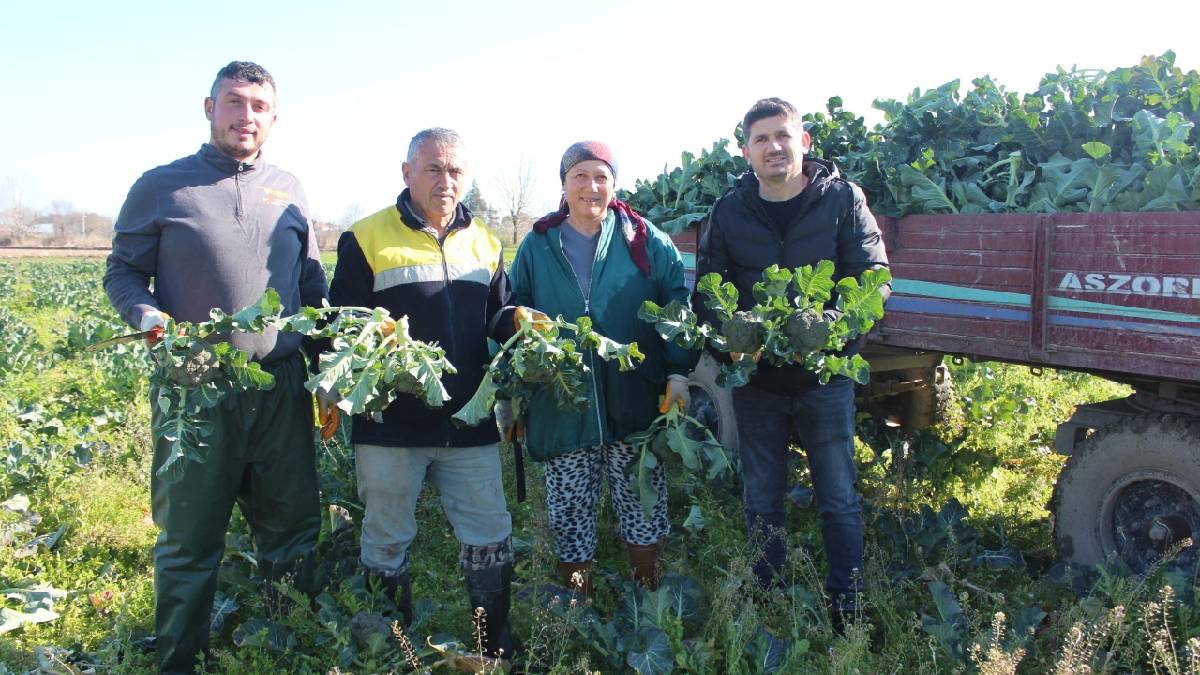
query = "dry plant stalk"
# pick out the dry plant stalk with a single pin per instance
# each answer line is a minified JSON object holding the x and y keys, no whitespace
{"x":406,"y":646}
{"x":1079,"y":648}
{"x":996,"y":661}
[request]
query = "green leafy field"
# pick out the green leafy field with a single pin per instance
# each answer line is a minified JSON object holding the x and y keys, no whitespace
{"x":960,"y":574}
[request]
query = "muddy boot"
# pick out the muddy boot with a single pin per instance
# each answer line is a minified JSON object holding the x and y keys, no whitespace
{"x":644,"y":564}
{"x":576,"y":576}
{"x":489,"y":590}
{"x":397,"y":588}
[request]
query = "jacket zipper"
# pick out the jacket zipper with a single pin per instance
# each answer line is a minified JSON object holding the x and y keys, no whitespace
{"x":449,"y":306}
{"x":587,"y":311}
{"x":240,"y":209}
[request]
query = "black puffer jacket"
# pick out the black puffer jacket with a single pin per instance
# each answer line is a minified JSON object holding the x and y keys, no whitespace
{"x":739,"y":242}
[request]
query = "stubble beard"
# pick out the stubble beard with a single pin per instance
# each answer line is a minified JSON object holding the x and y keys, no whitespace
{"x":234,"y":150}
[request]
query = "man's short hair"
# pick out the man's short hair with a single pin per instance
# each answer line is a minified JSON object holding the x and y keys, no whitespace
{"x":243,"y":71}
{"x":769,"y":107}
{"x":444,"y":137}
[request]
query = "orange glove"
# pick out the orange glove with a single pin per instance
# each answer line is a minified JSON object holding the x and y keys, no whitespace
{"x":540,"y":321}
{"x":387,"y":326}
{"x":677,"y":392}
{"x":329,"y":416}
{"x":516,"y":433}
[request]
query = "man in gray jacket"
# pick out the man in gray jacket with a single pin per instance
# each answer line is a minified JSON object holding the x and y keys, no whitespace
{"x":216,"y":229}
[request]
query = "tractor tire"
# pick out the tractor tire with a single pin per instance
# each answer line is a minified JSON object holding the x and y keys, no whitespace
{"x":1131,"y":491}
{"x":931,"y":404}
{"x":943,"y":394}
{"x":712,"y":405}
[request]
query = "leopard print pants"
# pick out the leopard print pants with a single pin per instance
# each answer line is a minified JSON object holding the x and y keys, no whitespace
{"x":573,"y":493}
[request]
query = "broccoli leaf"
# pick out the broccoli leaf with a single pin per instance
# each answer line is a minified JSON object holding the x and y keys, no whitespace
{"x":674,"y":439}
{"x":862,"y":305}
{"x":427,"y":367}
{"x":722,"y":298}
{"x":479,"y":407}
{"x":674,"y":323}
{"x":854,"y":367}
{"x":773,"y":286}
{"x":253,"y":318}
{"x":736,"y":374}
{"x":814,"y":285}
{"x":627,"y":356}
{"x":924,"y":191}
{"x":1096,"y":149}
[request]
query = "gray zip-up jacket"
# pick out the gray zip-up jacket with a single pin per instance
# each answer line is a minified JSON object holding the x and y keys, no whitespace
{"x":214,"y":232}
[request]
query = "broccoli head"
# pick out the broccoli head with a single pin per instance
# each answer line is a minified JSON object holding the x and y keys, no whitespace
{"x":807,"y":331}
{"x":199,"y":367}
{"x":537,"y":370}
{"x":406,"y":383}
{"x":743,"y":333}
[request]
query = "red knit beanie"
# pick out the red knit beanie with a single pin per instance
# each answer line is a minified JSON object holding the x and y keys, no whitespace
{"x":583,"y":151}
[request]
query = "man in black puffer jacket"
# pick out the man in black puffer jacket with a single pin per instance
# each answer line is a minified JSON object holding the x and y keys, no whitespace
{"x":791,"y":211}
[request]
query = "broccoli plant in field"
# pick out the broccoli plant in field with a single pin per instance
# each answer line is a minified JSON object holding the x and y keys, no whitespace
{"x":539,"y":356}
{"x":786,"y":323}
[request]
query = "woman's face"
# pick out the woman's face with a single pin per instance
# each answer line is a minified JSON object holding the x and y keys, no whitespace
{"x":589,"y":189}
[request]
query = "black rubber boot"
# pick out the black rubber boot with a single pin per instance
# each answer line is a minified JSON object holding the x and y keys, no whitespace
{"x":489,"y":589}
{"x":398,"y":589}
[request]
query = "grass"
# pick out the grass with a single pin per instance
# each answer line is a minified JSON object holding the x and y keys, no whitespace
{"x":75,"y":443}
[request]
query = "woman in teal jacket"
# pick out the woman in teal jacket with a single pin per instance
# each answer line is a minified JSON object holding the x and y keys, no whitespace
{"x":596,"y":257}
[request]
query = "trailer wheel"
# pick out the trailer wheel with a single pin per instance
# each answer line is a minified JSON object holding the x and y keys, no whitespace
{"x":711,"y":404}
{"x":943,"y":394}
{"x":1131,"y":491}
{"x":933,"y":403}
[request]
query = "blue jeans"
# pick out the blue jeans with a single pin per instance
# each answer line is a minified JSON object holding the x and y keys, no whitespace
{"x":822,"y":418}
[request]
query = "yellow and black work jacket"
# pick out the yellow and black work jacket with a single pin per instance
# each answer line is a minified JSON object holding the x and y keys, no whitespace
{"x":455,"y":293}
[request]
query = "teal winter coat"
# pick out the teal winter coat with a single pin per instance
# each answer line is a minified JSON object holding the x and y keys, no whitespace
{"x":619,"y":403}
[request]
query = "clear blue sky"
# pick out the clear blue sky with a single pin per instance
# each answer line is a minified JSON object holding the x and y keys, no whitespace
{"x":96,"y":93}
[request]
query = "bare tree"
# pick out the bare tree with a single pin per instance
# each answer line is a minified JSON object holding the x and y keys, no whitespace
{"x":15,"y":213}
{"x":516,"y":188}
{"x":352,"y":214}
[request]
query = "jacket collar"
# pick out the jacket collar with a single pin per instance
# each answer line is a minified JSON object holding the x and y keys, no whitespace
{"x":821,"y":174}
{"x":219,"y":160}
{"x":462,"y":214}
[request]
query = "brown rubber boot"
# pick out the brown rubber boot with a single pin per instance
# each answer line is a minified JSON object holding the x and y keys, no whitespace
{"x":582,"y":583}
{"x":644,"y":564}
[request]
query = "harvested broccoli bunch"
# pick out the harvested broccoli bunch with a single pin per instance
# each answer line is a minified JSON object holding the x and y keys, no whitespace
{"x":199,"y":366}
{"x":540,"y":359}
{"x":807,"y":331}
{"x":743,"y":333}
{"x":407,"y":383}
{"x":534,"y":367}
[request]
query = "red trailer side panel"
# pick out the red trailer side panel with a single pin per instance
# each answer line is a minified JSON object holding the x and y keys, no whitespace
{"x":1115,"y":292}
